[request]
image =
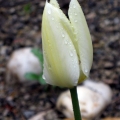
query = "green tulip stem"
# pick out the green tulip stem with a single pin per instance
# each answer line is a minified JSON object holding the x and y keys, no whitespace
{"x":75,"y":103}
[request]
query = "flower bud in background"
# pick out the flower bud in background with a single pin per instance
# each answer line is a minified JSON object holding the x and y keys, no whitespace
{"x":67,"y":45}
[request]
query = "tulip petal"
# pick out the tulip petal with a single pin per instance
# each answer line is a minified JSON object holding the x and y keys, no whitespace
{"x":83,"y":36}
{"x":66,"y":24}
{"x":82,"y":76}
{"x":69,"y":29}
{"x":61,"y":66}
{"x":55,"y":3}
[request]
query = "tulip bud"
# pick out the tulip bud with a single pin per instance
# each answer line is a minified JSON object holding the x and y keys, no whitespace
{"x":67,"y":45}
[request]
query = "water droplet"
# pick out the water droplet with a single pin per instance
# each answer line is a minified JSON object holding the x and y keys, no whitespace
{"x":63,"y":35}
{"x":76,"y":82}
{"x":86,"y":71}
{"x":71,"y":54}
{"x":75,"y":20}
{"x":49,"y":11}
{"x":76,"y":14}
{"x":74,"y":6}
{"x":66,"y":42}
{"x":43,"y":77}
{"x":52,"y":18}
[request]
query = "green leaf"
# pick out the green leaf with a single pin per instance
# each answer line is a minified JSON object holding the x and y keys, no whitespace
{"x":32,"y":76}
{"x":27,"y":8}
{"x":38,"y":54}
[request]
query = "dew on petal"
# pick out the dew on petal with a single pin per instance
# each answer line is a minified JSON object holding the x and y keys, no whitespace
{"x":75,"y":14}
{"x":49,"y":11}
{"x":74,"y":6}
{"x":43,"y":77}
{"x":76,"y":82}
{"x":71,"y":54}
{"x":63,"y":35}
{"x":86,"y":71}
{"x":66,"y":42}
{"x":75,"y":20}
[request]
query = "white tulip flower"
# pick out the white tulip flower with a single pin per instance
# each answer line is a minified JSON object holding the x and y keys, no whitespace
{"x":67,"y":45}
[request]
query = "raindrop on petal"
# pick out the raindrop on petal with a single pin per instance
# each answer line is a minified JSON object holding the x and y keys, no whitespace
{"x":86,"y":71}
{"x":75,"y":20}
{"x":63,"y":35}
{"x":71,"y":54}
{"x":76,"y":14}
{"x":66,"y":42}
{"x":49,"y":11}
{"x":43,"y":77}
{"x":74,"y":6}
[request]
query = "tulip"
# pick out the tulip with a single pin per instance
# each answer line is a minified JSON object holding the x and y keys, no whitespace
{"x":67,"y":45}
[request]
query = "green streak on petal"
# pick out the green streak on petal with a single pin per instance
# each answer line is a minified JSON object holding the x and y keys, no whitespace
{"x":82,"y":76}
